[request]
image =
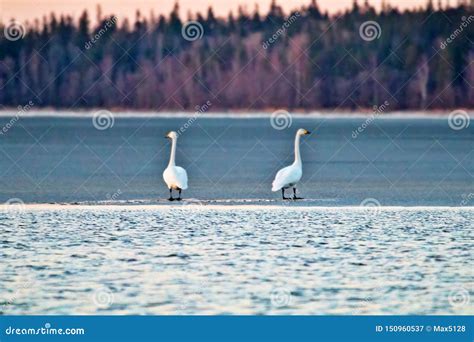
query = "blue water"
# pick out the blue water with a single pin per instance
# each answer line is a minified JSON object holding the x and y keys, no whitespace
{"x":236,"y":260}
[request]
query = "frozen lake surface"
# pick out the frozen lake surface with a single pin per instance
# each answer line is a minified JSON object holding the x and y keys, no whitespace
{"x":397,"y":161}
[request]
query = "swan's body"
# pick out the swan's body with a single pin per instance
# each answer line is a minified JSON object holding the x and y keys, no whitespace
{"x":289,"y":176}
{"x":174,"y":176}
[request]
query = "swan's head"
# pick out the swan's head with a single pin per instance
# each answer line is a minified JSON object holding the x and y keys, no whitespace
{"x":171,"y":135}
{"x":302,"y":131}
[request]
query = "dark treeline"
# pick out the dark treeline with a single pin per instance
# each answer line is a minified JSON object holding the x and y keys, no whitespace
{"x":423,"y":59}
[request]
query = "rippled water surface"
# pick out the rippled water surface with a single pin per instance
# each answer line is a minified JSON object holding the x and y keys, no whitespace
{"x":191,"y":259}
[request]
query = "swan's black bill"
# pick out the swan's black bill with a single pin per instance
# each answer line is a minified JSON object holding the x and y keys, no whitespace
{"x":307,"y":132}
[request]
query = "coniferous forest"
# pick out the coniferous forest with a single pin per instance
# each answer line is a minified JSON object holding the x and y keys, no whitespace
{"x":308,"y":59}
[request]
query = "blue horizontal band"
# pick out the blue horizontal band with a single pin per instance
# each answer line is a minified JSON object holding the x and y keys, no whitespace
{"x":237,"y":328}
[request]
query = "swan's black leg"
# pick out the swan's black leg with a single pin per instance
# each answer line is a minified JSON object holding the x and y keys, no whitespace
{"x":283,"y":194}
{"x":179,"y":197}
{"x":294,"y":195}
{"x":171,"y":196}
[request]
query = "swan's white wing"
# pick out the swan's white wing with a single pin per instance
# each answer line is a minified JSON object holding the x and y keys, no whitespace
{"x":286,"y":176}
{"x":175,"y":177}
{"x":182,"y":178}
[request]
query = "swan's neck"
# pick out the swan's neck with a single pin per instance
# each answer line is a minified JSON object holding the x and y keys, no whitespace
{"x":173,"y":153}
{"x":297,"y":150}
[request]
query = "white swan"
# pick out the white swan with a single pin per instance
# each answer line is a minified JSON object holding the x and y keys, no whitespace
{"x":175,"y":177}
{"x":289,"y":176}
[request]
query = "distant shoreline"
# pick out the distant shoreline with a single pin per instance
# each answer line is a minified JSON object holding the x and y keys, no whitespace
{"x":236,"y":114}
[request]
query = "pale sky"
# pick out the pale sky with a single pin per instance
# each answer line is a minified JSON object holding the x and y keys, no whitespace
{"x":27,"y":9}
